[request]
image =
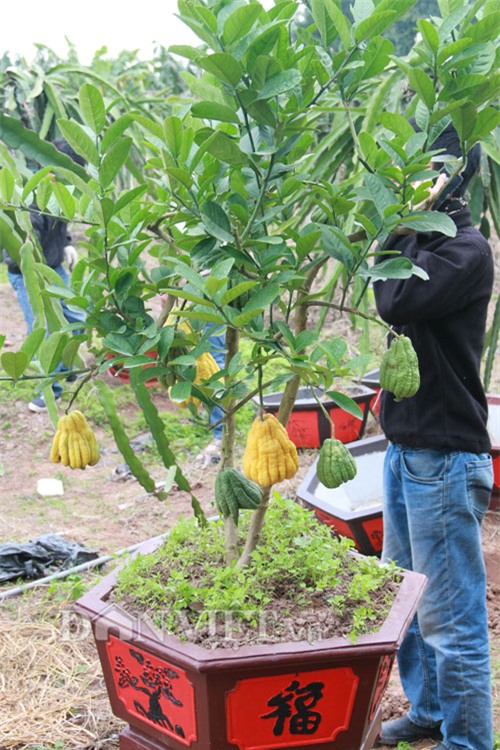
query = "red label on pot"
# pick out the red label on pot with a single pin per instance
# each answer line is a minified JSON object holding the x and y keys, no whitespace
{"x":154,"y":691}
{"x":303,"y":429}
{"x":301,"y":708}
{"x":342,"y":528}
{"x":375,"y":532}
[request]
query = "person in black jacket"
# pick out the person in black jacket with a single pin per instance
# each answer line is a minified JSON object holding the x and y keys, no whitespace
{"x":55,"y":241}
{"x":438,"y":476}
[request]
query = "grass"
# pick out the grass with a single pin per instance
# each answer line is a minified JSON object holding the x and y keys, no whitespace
{"x":187,"y":577}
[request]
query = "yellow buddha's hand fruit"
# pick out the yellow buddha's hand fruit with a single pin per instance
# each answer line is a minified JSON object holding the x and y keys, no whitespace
{"x":270,"y":456}
{"x":206,"y":366}
{"x":74,"y":443}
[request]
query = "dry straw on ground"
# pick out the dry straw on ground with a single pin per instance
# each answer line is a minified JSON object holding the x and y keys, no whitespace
{"x":51,"y":690}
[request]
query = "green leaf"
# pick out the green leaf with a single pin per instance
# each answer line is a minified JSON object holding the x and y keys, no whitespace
{"x":118,"y":343}
{"x":223,"y":66}
{"x":180,"y":391}
{"x":51,"y":349}
{"x":114,"y":160}
{"x":180,"y":175}
{"x":376,"y":56}
{"x":6,"y":184}
{"x":215,"y":221}
{"x":423,"y":85}
{"x":32,"y":342}
{"x":346,"y":403}
{"x":223,"y":147}
{"x":263,"y":298}
{"x":14,"y":363}
{"x":487,"y":28}
{"x":65,"y":200}
{"x":237,"y":291}
{"x":486,"y":121}
{"x":172,"y":128}
{"x":16,"y":136}
{"x":214,"y":111}
{"x":464,"y":120}
{"x":115,"y":130}
{"x":340,"y":22}
{"x":239,"y":22}
{"x":431,"y":221}
{"x":92,"y":107}
{"x":128,"y":196}
{"x":157,"y":427}
{"x":397,"y":124}
{"x":166,"y":337}
{"x":394,"y":268}
{"x":108,"y":402}
{"x":280,"y":83}
{"x":429,"y":34}
{"x":374,"y":24}
{"x":80,"y":141}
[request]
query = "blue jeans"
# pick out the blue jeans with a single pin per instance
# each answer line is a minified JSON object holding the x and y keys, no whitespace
{"x":218,"y":352}
{"x":434,"y":504}
{"x":72,"y":316}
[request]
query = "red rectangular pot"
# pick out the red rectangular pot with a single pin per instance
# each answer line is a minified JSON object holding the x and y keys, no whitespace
{"x":174,"y":694}
{"x":359,"y":521}
{"x":308,"y":427}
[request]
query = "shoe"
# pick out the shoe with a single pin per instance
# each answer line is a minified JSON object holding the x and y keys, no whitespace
{"x":38,"y":405}
{"x":404,"y":730}
{"x":211,"y":454}
{"x":439,"y":747}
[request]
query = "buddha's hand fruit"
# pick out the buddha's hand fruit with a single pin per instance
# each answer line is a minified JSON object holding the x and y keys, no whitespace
{"x":74,"y":443}
{"x":206,"y":366}
{"x":270,"y":456}
{"x":335,"y":464}
{"x":233,"y":491}
{"x":399,"y":372}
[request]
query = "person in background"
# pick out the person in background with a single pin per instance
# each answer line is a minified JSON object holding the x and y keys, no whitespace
{"x":55,"y":242}
{"x":211,"y":454}
{"x":438,"y":475}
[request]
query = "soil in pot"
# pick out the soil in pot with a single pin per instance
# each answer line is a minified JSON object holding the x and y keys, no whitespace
{"x":302,"y":584}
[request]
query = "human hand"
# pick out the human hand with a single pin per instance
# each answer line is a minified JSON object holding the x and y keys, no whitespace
{"x":434,"y":191}
{"x":70,"y":256}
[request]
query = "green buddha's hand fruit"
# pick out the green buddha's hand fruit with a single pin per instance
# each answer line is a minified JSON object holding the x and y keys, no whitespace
{"x":335,"y":464}
{"x":399,"y":372}
{"x":234,"y":491}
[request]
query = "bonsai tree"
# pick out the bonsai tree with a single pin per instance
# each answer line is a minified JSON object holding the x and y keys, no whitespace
{"x":263,"y":196}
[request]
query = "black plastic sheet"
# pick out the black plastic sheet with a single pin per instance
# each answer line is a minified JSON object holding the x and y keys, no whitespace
{"x":42,"y":556}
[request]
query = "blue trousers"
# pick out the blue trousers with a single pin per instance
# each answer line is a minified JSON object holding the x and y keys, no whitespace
{"x":71,"y":315}
{"x":218,"y":352}
{"x":434,"y":504}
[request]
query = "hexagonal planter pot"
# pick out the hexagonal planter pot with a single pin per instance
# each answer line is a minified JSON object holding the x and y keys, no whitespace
{"x":354,"y":509}
{"x":174,"y":695}
{"x":309,"y":428}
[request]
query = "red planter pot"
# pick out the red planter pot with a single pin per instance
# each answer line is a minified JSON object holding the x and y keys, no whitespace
{"x":122,"y":374}
{"x":309,"y":428}
{"x":354,"y":509}
{"x":175,"y":695}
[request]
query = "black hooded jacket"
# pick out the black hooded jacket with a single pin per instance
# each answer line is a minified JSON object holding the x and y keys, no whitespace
{"x":445,"y":317}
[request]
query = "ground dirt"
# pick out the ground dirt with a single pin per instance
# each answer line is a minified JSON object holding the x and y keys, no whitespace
{"x":51,"y":691}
